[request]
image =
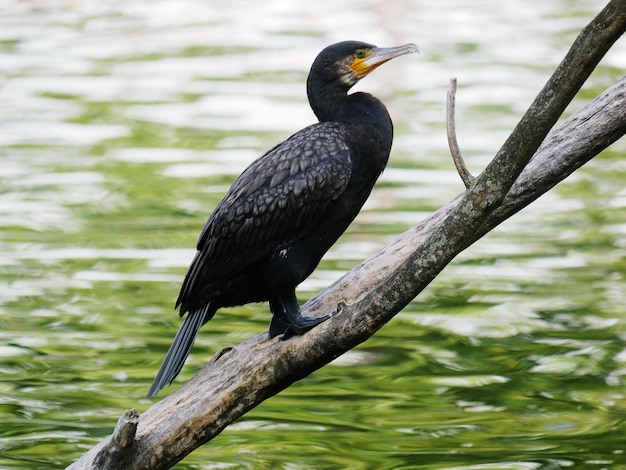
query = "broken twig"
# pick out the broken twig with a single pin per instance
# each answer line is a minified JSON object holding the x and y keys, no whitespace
{"x":464,"y":173}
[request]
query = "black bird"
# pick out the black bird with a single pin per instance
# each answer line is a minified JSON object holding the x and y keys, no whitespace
{"x":289,"y":207}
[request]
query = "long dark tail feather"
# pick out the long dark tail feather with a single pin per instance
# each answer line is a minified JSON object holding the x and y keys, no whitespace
{"x":179,"y":350}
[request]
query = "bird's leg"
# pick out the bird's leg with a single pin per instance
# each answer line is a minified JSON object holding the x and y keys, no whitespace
{"x":287,"y":319}
{"x":280,"y":322}
{"x":298,"y":323}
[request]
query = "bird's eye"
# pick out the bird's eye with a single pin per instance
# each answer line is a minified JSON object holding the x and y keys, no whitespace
{"x":359,"y":53}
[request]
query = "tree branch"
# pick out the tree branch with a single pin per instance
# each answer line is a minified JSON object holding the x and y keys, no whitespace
{"x":569,"y":146}
{"x":453,"y":144}
{"x":240,"y":378}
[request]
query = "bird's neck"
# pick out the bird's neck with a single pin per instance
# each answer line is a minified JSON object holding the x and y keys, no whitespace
{"x":336,"y":105}
{"x":325,"y":99}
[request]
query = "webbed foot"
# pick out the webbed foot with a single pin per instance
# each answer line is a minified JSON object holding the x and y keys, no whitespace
{"x":301,"y":324}
{"x":287,"y":320}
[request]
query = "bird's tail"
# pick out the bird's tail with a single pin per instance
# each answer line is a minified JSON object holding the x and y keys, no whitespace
{"x":179,"y":350}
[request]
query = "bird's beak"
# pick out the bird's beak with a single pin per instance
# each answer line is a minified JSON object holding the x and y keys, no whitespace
{"x":378,"y":56}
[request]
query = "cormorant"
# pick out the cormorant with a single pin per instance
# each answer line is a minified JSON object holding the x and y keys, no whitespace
{"x":289,"y":207}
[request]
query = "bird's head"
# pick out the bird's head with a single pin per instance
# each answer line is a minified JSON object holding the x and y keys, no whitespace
{"x":350,"y":61}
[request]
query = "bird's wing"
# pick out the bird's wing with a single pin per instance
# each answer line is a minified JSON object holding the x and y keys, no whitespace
{"x":276,"y":201}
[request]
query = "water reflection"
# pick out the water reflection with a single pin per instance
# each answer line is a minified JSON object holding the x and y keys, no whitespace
{"x":124,"y":122}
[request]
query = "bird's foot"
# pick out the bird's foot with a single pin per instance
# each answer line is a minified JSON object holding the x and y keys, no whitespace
{"x":301,"y":324}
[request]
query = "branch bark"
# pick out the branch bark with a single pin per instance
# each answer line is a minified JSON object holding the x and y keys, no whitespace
{"x":370,"y":295}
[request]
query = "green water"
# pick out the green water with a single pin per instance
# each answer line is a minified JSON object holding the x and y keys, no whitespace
{"x":123,"y":124}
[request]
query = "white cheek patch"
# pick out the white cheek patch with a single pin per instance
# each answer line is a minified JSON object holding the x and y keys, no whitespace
{"x":349,"y":78}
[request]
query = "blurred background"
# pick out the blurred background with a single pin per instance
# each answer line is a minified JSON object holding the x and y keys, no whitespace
{"x":124,"y":122}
